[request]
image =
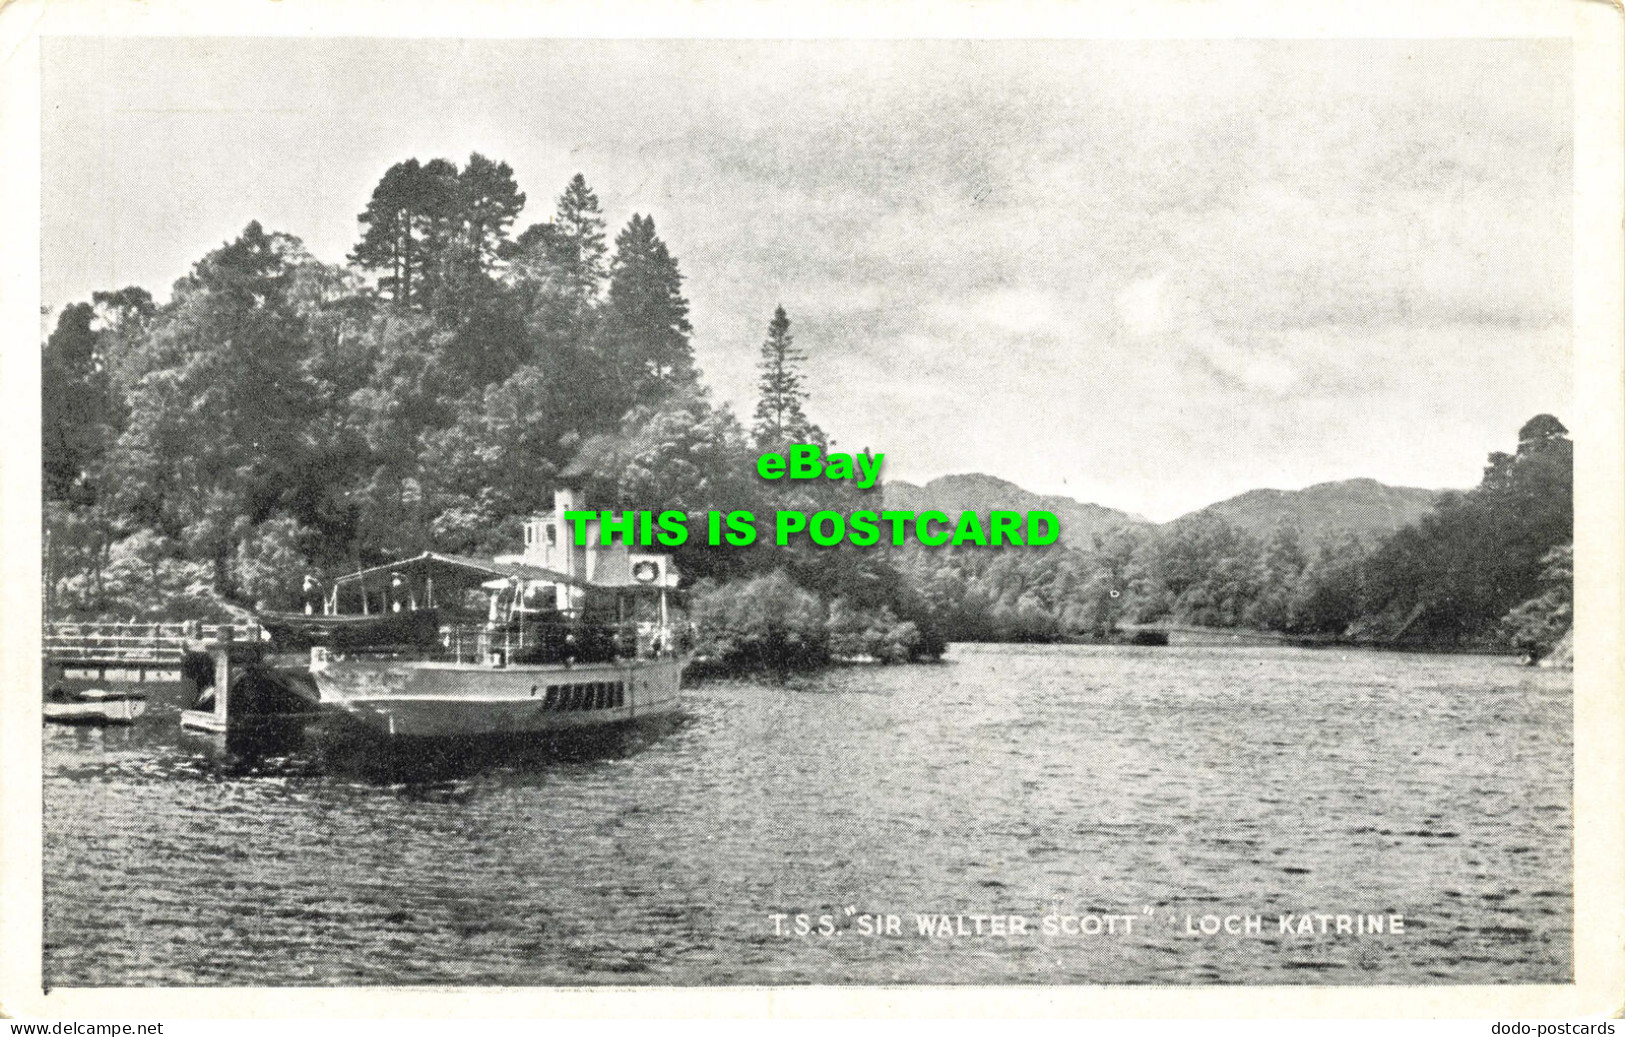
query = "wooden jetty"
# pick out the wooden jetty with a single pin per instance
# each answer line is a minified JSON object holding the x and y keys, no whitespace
{"x":225,"y":663}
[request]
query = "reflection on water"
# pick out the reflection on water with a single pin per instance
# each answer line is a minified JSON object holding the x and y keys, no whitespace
{"x":1049,"y":782}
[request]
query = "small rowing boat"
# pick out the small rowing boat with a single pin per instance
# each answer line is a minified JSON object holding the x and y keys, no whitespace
{"x":94,"y":706}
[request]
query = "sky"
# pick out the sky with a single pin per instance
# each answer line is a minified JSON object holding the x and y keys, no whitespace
{"x":1149,"y":275}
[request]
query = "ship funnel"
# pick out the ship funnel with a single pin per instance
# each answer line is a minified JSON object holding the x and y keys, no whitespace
{"x":565,"y":498}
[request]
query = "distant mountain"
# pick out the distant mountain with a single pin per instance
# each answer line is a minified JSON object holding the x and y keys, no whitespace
{"x":983,"y":493}
{"x":1362,"y":506}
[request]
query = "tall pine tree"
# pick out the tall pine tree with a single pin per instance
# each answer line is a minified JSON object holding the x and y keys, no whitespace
{"x":411,"y":229}
{"x":442,"y":242}
{"x":580,"y":237}
{"x":391,"y":228}
{"x":779,"y":419}
{"x":649,"y":316}
{"x":430,"y":229}
{"x":570,"y":245}
{"x":490,"y":200}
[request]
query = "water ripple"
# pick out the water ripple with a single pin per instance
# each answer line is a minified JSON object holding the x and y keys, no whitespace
{"x":1008,"y":780}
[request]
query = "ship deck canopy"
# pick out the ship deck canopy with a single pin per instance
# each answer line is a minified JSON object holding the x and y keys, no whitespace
{"x":457,"y":569}
{"x":433,"y":580}
{"x":461,"y":583}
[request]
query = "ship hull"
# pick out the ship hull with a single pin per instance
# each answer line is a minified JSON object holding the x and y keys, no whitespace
{"x":399,"y":699}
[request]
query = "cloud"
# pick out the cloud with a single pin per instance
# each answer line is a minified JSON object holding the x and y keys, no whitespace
{"x":1152,"y":272}
{"x":1152,"y":312}
{"x":1022,"y":312}
{"x":1143,"y":308}
{"x":1250,"y":368}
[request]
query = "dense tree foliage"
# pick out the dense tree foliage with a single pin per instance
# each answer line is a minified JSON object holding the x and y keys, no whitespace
{"x":281,"y":413}
{"x":432,"y":231}
{"x":1538,"y":624}
{"x":279,"y":416}
{"x":772,"y":622}
{"x":77,"y":411}
{"x":765,"y":622}
{"x":1455,"y":578}
{"x":1461,"y":568}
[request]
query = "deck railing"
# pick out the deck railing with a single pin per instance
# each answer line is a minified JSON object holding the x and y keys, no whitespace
{"x":131,"y":642}
{"x":532,"y":642}
{"x":467,"y":642}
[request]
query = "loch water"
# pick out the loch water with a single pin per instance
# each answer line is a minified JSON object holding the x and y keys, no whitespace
{"x":1162,"y":785}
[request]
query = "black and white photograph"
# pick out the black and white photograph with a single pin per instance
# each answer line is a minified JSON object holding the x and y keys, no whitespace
{"x":818,"y":512}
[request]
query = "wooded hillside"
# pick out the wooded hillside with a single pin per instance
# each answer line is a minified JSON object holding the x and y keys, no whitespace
{"x":279,"y":416}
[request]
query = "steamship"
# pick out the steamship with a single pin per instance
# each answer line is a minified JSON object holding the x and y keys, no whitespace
{"x":559,"y":638}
